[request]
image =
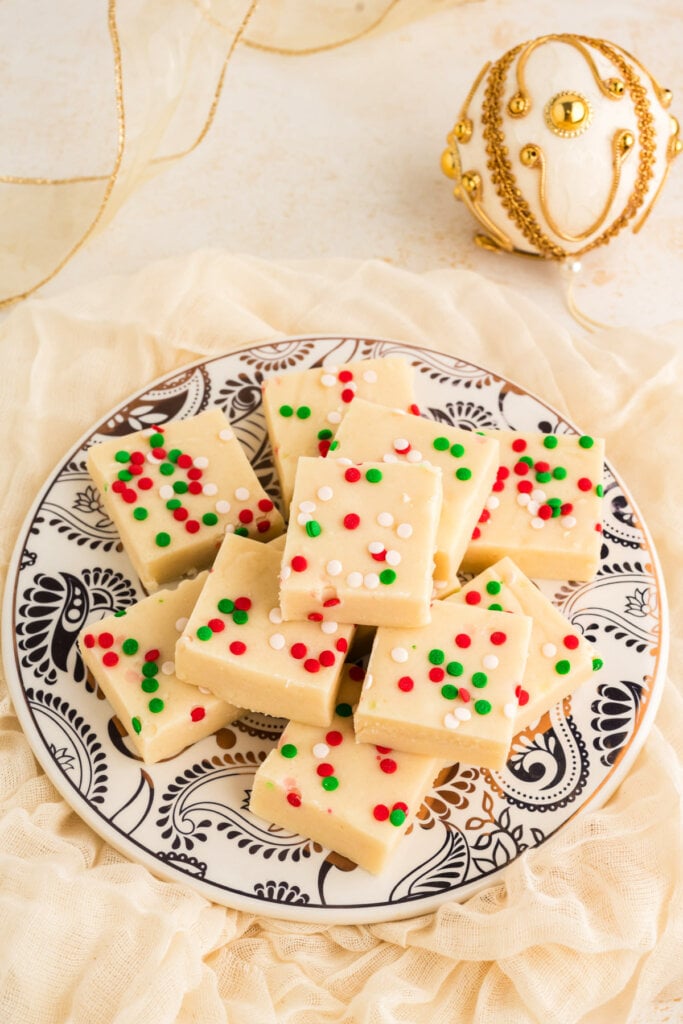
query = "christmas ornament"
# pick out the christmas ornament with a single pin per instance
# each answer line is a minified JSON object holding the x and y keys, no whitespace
{"x":560,"y":144}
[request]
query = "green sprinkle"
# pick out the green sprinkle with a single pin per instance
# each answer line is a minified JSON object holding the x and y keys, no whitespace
{"x":436,"y":656}
{"x":544,"y":478}
{"x":226,"y":606}
{"x":563,"y":667}
{"x":150,"y":669}
{"x":167,"y":469}
{"x":156,"y":705}
{"x":373,"y":476}
{"x":313,"y":528}
{"x":463,"y":473}
{"x":330,"y":783}
{"x":137,"y":725}
{"x":557,"y":511}
{"x":122,"y":457}
{"x":550,"y":441}
{"x":440,"y":443}
{"x":173,"y":503}
{"x":334,"y":446}
{"x":482,"y":707}
{"x":286,"y":411}
{"x":586,"y":441}
{"x":125,"y":475}
{"x":597,"y":664}
{"x":493,"y":587}
{"x":242,"y":531}
{"x":150,"y":685}
{"x":479,"y":679}
{"x":163,"y":539}
{"x":204,"y":633}
{"x":457,"y":450}
{"x":130,"y":646}
{"x":527,"y":459}
{"x":495,"y":607}
{"x":288,"y":750}
{"x":180,"y":487}
{"x":555,"y":502}
{"x":344,"y":710}
{"x":174,"y":455}
{"x":325,"y":434}
{"x":156,"y":441}
{"x":449,"y":691}
{"x":387,"y":576}
{"x":397,"y":817}
{"x":560,"y":473}
{"x":599,"y":491}
{"x":119,"y":613}
{"x":455,"y":668}
{"x":303,"y":412}
{"x":209,"y":519}
{"x":140,"y":513}
{"x":240,"y":616}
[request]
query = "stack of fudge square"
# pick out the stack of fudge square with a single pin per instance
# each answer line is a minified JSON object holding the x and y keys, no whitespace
{"x":384,"y":508}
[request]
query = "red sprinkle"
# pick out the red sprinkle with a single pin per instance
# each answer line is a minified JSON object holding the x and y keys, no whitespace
{"x":436,"y":674}
{"x":159,"y":453}
{"x":383,"y":750}
{"x":356,"y":672}
{"x":525,"y":487}
{"x":415,"y":409}
{"x":584,"y":484}
{"x":352,"y":475}
{"x":192,"y":525}
{"x":294,"y":798}
{"x":129,"y":495}
{"x":315,"y":617}
{"x":331,"y":602}
{"x":519,"y":444}
{"x":137,"y":458}
{"x":545,"y":512}
{"x":388,"y":765}
{"x":196,"y":714}
{"x":324,"y":447}
{"x":118,"y":486}
{"x":498,"y":486}
{"x":325,"y":769}
{"x":194,"y":474}
{"x":472,"y":597}
{"x":498,"y":638}
{"x":194,"y":487}
{"x":503,"y":473}
{"x":485,"y":516}
{"x":312,"y":665}
{"x":342,"y":645}
{"x":238,"y":647}
{"x":567,"y":508}
{"x":400,"y":806}
{"x":88,"y":640}
{"x":298,"y":651}
{"x":135,"y":469}
{"x":180,"y":514}
{"x":145,"y":483}
{"x":153,"y":654}
{"x":463,"y":694}
{"x":110,"y":659}
{"x":352,"y":521}
{"x":184,"y":461}
{"x":106,"y":640}
{"x":345,"y":376}
{"x":476,"y":533}
{"x":542,"y":467}
{"x":379,"y":556}
{"x":406,"y":684}
{"x":299,"y":563}
{"x":216,"y":625}
{"x":243,"y":604}
{"x":463,"y":640}
{"x":347,"y":395}
{"x":571,"y":642}
{"x":521,"y":468}
{"x":334,"y":738}
{"x":380,"y":812}
{"x":522,"y":696}
{"x":245,"y":515}
{"x":326,"y":658}
{"x":265,"y":505}
{"x":263,"y":526}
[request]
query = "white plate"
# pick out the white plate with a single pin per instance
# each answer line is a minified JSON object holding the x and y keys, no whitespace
{"x":187,"y":818}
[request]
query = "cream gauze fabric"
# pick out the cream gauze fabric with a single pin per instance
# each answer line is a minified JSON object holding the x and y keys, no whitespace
{"x":588,"y":927}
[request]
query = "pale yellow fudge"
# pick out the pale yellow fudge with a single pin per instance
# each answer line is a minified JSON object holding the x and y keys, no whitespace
{"x":304,"y":409}
{"x":355,"y":798}
{"x":448,"y":689}
{"x":468,"y":463}
{"x":238,"y":645}
{"x":545,"y":508}
{"x":360,"y":542}
{"x":560,"y":658}
{"x":131,"y":656}
{"x":173,"y":492}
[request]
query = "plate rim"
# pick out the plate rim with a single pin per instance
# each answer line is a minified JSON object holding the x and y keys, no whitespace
{"x":368,"y":913}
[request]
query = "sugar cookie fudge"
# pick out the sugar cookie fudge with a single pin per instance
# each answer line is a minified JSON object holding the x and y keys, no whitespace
{"x":545,"y":509}
{"x":355,"y":798}
{"x":131,"y":656}
{"x":360,"y":542}
{"x":238,"y":645}
{"x":559,"y":660}
{"x":448,"y":689}
{"x":304,"y":409}
{"x":468,"y":463}
{"x":173,"y":491}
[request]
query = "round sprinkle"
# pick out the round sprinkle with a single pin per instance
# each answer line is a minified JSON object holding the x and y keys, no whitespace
{"x":393,"y":557}
{"x":597,"y":664}
{"x":320,"y":750}
{"x":479,"y":679}
{"x":584,"y":484}
{"x":436,"y":656}
{"x":276,"y":641}
{"x":457,"y":451}
{"x":122,"y":457}
{"x":242,"y":494}
{"x":330,"y":783}
{"x":493,"y":587}
{"x":401,"y":445}
{"x":455,"y":668}
{"x":156,"y":705}
{"x":286,"y":411}
{"x":449,"y":691}
{"x":414,"y":456}
{"x":294,"y":798}
{"x":371,"y":580}
{"x":351,"y":521}
{"x":462,"y":640}
{"x":110,"y":659}
{"x":399,"y":655}
{"x":197,"y":713}
{"x":571,"y":641}
{"x":181,"y":623}
{"x":298,"y":650}
{"x":137,"y":725}
{"x":149,"y":685}
{"x":563,"y":667}
{"x":326,"y":658}
{"x":370,"y":377}
{"x":130,"y":646}
{"x":385,"y":519}
{"x":397,"y":817}
{"x":550,"y":441}
{"x":482,"y":707}
{"x":162,"y":539}
{"x":436,"y":674}
{"x":168,"y":668}
{"x":498,"y":638}
{"x":510,"y":709}
{"x":373,"y":476}
{"x":275,"y":616}
{"x":472,"y":597}
{"x":548,"y":650}
{"x":237,"y":647}
{"x":312,"y":665}
{"x":451,"y":721}
{"x":380,"y":812}
{"x":334,"y":738}
{"x":387,"y":576}
{"x":463,"y":473}
{"x":313,"y":528}
{"x":333,"y":567}
{"x":329,"y":627}
{"x":490,"y":661}
{"x":406,"y":683}
{"x":586,"y":441}
{"x":404,"y":531}
{"x":355,"y":579}
{"x":303,"y":412}
{"x":334,"y":417}
{"x":328,"y":380}
{"x":440,"y":444}
{"x":388,"y":765}
{"x":345,"y":376}
{"x":222,"y":507}
{"x":325,"y":493}
{"x":299,"y":563}
{"x":352,"y":475}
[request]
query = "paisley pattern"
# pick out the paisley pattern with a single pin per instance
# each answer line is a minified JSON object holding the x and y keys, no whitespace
{"x":188,"y":816}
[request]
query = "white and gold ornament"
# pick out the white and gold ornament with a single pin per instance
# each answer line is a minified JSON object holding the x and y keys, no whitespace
{"x":560,"y":144}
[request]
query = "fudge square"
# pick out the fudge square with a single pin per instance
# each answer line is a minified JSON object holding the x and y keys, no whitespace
{"x":447,"y":689}
{"x":468,"y":463}
{"x":131,"y":656}
{"x":173,"y":491}
{"x":560,"y":658}
{"x":355,"y":798}
{"x":238,"y":646}
{"x":360,"y":542}
{"x":303,"y":409}
{"x":545,"y":509}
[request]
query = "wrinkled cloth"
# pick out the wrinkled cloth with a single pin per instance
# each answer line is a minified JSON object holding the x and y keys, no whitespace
{"x":588,"y":927}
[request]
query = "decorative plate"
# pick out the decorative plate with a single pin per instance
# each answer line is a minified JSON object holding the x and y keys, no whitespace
{"x":186,"y":819}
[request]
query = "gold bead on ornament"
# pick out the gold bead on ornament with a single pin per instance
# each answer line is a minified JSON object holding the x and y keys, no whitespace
{"x":518,"y":105}
{"x":615,"y":87}
{"x":666,"y":96}
{"x":449,"y":163}
{"x":529,"y":156}
{"x":471,"y":182}
{"x":463,"y":130}
{"x":568,"y":114}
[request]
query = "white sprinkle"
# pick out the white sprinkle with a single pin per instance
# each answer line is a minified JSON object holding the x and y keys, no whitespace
{"x":538,"y":495}
{"x":464,"y":714}
{"x":181,"y":623}
{"x":230,"y":528}
{"x":532,"y":507}
{"x":393,"y":557}
{"x":371,"y":580}
{"x":328,"y":380}
{"x":368,"y":681}
{"x":569,"y":522}
{"x":523,"y":500}
{"x":548,"y":650}
{"x":203,"y":689}
{"x":151,"y":457}
{"x":320,"y":750}
{"x":401,"y":444}
{"x":493,"y":503}
{"x":450,"y":721}
{"x":166,"y":492}
{"x":325,"y":493}
{"x":329,"y":627}
{"x":201,"y":462}
{"x":275,"y":616}
{"x":334,"y":416}
{"x":537,"y":523}
{"x":168,"y":668}
{"x":490,"y":661}
{"x":276,"y":641}
{"x":370,"y":377}
{"x":399,"y":655}
{"x":209,"y":490}
{"x":510,"y":709}
{"x":226,"y":435}
{"x":242,"y":494}
{"x":222,"y":507}
{"x":286,"y":572}
{"x":389,"y":457}
{"x":404,"y":530}
{"x":334,"y":567}
{"x":303,"y":518}
{"x":345,"y":462}
{"x":414,"y":456}
{"x":307,"y":506}
{"x":375,"y":547}
{"x":351,"y":386}
{"x":355,"y":579}
{"x":385,"y":519}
